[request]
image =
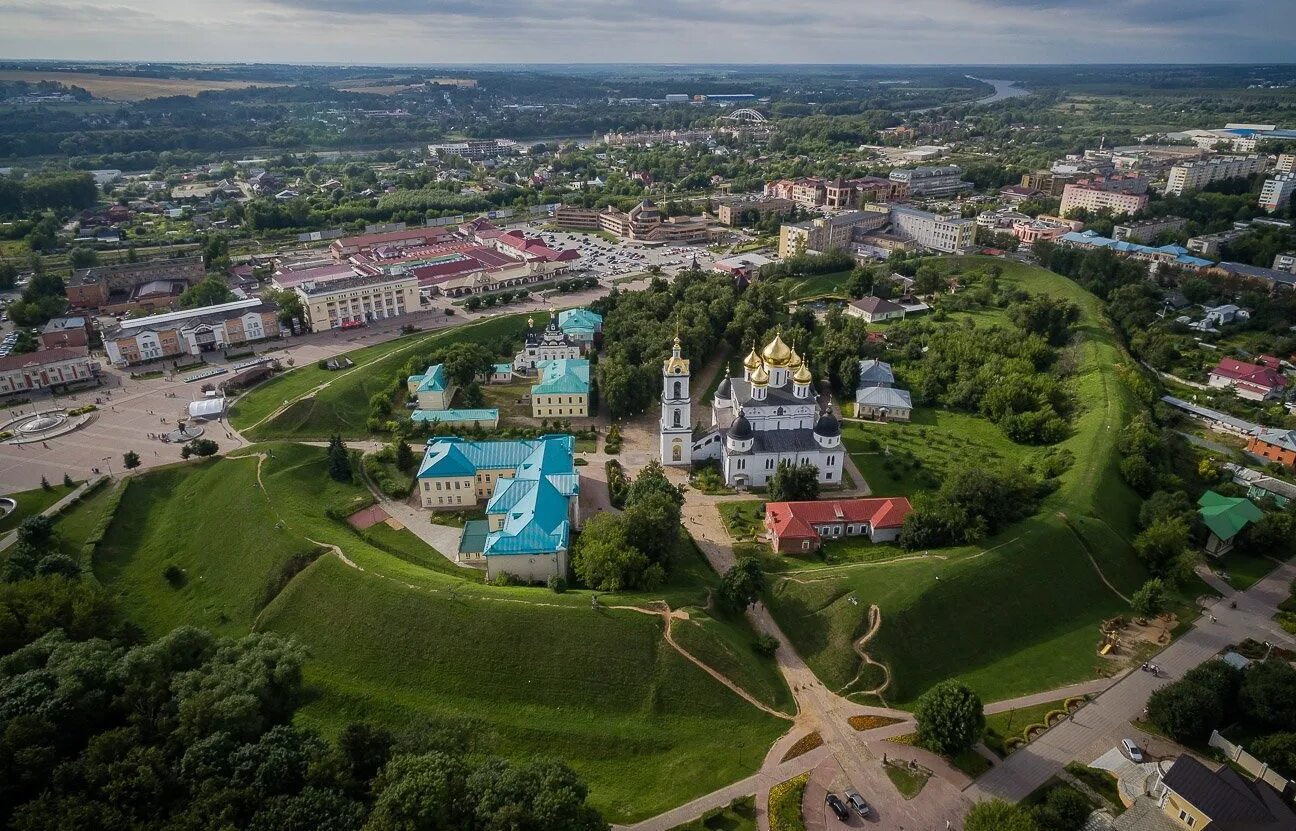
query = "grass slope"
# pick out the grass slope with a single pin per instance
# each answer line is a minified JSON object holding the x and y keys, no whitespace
{"x":342,"y":406}
{"x":1019,"y":615}
{"x":31,"y":503}
{"x":401,"y":635}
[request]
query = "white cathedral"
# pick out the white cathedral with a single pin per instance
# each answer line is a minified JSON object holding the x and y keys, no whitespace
{"x":768,"y":416}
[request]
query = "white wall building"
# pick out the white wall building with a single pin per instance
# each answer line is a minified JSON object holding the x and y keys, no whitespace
{"x":942,"y":232}
{"x":1277,"y":192}
{"x":1191,"y":176}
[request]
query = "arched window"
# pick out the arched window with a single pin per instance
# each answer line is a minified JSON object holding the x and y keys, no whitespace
{"x":677,"y":452}
{"x":678,"y":387}
{"x":677,"y":418}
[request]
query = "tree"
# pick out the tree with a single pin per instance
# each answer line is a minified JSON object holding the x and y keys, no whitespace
{"x":404,"y":456}
{"x":652,"y":521}
{"x":1185,"y":711}
{"x":199,"y":447}
{"x":652,"y":479}
{"x":130,"y":460}
{"x":794,"y":483}
{"x":1278,"y":750}
{"x":604,"y":558}
{"x":1268,"y":694}
{"x":1063,"y":809}
{"x":950,"y":718}
{"x":67,"y":481}
{"x":1049,"y":317}
{"x":339,"y":461}
{"x":209,"y":292}
{"x":1161,"y":543}
{"x":60,"y":564}
{"x":45,"y":484}
{"x":741,"y":585}
{"x":997,"y":815}
{"x":1150,"y":598}
{"x":8,"y":276}
{"x":36,"y":531}
{"x":414,"y":793}
{"x":83,"y":257}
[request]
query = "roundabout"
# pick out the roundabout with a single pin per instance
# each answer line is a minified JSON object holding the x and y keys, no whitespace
{"x":40,"y":426}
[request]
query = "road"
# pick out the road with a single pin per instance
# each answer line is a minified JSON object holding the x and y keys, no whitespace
{"x":1099,"y":725}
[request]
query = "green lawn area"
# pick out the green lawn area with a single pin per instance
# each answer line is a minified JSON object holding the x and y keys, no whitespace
{"x":785,"y":800}
{"x":727,"y":646}
{"x":509,"y":399}
{"x":1244,"y":569}
{"x":1019,"y":614}
{"x":1101,"y":782}
{"x":1002,"y":726}
{"x":744,"y":518}
{"x":903,"y":459}
{"x":343,"y":406}
{"x":31,"y":503}
{"x":817,"y":285}
{"x":405,"y":633}
{"x":908,"y":782}
{"x":76,"y":525}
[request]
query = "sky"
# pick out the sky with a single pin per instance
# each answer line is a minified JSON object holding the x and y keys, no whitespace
{"x":653,"y":31}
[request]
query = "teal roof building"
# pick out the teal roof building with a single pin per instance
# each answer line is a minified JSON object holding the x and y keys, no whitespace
{"x":566,"y":376}
{"x":433,"y":379}
{"x":580,"y":325}
{"x":531,"y":511}
{"x":1225,"y":517}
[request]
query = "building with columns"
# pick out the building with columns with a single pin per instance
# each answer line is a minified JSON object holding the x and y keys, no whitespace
{"x":768,"y":416}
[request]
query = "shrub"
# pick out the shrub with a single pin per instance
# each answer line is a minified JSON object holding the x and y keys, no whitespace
{"x":765,"y":645}
{"x":556,"y":583}
{"x":950,"y":718}
{"x":505,"y":579}
{"x":785,"y":804}
{"x":174,"y":575}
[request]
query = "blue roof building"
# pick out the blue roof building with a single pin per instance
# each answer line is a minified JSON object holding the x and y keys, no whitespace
{"x":434,"y":394}
{"x":1172,"y":254}
{"x":533,"y":504}
{"x":563,"y":390}
{"x":580,"y":325}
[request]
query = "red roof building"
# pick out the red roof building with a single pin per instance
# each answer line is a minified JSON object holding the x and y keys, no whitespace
{"x":1253,"y":382}
{"x":803,"y":526}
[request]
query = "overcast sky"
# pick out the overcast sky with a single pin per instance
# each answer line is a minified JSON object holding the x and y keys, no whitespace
{"x":656,"y":31}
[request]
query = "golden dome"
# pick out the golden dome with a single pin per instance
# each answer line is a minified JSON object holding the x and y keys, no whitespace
{"x":760,"y":376}
{"x":802,"y":375}
{"x":752,"y":360}
{"x":776,"y":352}
{"x":795,"y":361}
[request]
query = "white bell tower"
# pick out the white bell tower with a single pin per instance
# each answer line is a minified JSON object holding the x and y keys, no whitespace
{"x":677,"y":410}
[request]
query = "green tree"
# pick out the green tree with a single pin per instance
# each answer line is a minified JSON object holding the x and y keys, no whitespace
{"x":1150,"y":598}
{"x":950,"y":718}
{"x":1268,"y":694}
{"x":652,"y":520}
{"x":1185,"y":711}
{"x":67,"y":481}
{"x":1278,"y":750}
{"x":36,"y":531}
{"x":209,"y":292}
{"x":997,"y":815}
{"x":8,"y":276}
{"x":339,"y":460}
{"x":1161,"y":543}
{"x":1063,"y":809}
{"x":83,"y":257}
{"x":405,"y":459}
{"x":420,"y":793}
{"x":604,"y":558}
{"x":45,"y":484}
{"x":794,"y":483}
{"x":130,"y":460}
{"x":742,"y":585}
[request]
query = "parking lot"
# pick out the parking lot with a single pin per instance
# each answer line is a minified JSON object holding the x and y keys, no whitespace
{"x":608,"y":261}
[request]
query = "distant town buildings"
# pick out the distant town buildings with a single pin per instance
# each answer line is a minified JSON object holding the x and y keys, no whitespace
{"x":835,"y":194}
{"x":65,"y":331}
{"x":1165,"y":254}
{"x":1254,"y":382}
{"x":1121,"y":194}
{"x":125,"y":287}
{"x":46,"y":369}
{"x":1146,"y":230}
{"x":644,"y":223}
{"x":931,"y":182}
{"x":358,"y":300}
{"x":475,"y":149}
{"x":853,"y":230}
{"x":1191,"y":176}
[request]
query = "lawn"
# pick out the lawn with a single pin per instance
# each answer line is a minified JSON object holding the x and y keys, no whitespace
{"x":908,"y":782}
{"x":1244,"y":569}
{"x":1002,"y":726}
{"x":904,"y":459}
{"x":512,"y":400}
{"x":739,"y":815}
{"x":343,"y":406}
{"x":785,"y":801}
{"x":31,"y":503}
{"x":405,"y":634}
{"x":744,"y":518}
{"x":727,"y":646}
{"x":817,"y":285}
{"x":1019,"y":614}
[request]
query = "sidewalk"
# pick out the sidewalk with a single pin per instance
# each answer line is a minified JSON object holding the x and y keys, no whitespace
{"x":54,"y":510}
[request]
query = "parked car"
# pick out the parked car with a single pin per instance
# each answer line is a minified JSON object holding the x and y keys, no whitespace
{"x":1132,"y":749}
{"x":857,"y":802}
{"x":838,"y":807}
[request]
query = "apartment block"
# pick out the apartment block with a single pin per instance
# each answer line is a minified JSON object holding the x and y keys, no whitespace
{"x":355,"y":301}
{"x":1277,"y":192}
{"x":1099,"y":194}
{"x":1285,"y":261}
{"x":942,"y":232}
{"x":1286,"y":163}
{"x":734,"y":213}
{"x":829,"y":233}
{"x":1208,"y":245}
{"x":1191,"y":176}
{"x":1146,"y":230}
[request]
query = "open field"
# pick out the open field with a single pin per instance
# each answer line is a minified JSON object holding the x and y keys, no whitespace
{"x":1019,"y":614}
{"x":343,"y":406}
{"x":127,"y":89}
{"x":398,"y":635}
{"x":31,"y":503}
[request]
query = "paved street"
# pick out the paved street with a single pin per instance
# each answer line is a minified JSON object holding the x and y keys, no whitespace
{"x":1097,"y":726}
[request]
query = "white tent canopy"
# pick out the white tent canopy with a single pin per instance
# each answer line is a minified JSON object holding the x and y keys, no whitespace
{"x":207,"y":408}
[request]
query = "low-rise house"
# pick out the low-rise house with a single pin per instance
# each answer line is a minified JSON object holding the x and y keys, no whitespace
{"x":66,"y":331}
{"x":804,"y":526}
{"x":46,"y":369}
{"x":1261,"y":485}
{"x":1192,"y":796}
{"x":499,"y":374}
{"x":1275,"y":445}
{"x":581,"y":326}
{"x":1225,"y":517}
{"x":532,"y":493}
{"x":876,"y":395}
{"x":434,"y":393}
{"x":1254,"y":382}
{"x":875,"y":310}
{"x":563,"y":390}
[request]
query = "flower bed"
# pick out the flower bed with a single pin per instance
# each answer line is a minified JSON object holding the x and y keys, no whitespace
{"x":803,"y":745}
{"x":871,"y":722}
{"x":785,"y":804}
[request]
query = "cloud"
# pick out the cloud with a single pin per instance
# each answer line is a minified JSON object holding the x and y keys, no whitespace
{"x":661,"y":31}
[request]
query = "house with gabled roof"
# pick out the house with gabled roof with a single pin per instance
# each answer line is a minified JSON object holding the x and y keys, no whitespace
{"x":877,"y":396}
{"x":1193,"y":797}
{"x":434,"y":393}
{"x":532,"y":493}
{"x":796,"y":527}
{"x":1275,"y":445}
{"x":1254,"y":382}
{"x":1225,"y":517}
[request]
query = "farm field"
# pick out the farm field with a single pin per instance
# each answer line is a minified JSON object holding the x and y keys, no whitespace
{"x":120,"y":88}
{"x":1027,"y":603}
{"x":394,"y":636}
{"x":343,"y":406}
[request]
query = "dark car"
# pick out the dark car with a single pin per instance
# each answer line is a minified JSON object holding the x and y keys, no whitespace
{"x":838,"y":807}
{"x":857,"y":802}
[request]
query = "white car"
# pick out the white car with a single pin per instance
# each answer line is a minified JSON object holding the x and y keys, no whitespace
{"x":1132,"y":750}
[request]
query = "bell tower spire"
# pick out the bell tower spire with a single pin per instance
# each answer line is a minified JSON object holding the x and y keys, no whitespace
{"x":677,"y":409}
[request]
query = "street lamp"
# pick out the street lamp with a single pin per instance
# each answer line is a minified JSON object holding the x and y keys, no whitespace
{"x":108,"y":461}
{"x":1268,"y":649}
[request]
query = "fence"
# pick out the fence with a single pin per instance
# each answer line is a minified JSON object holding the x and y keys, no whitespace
{"x":1249,"y":763}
